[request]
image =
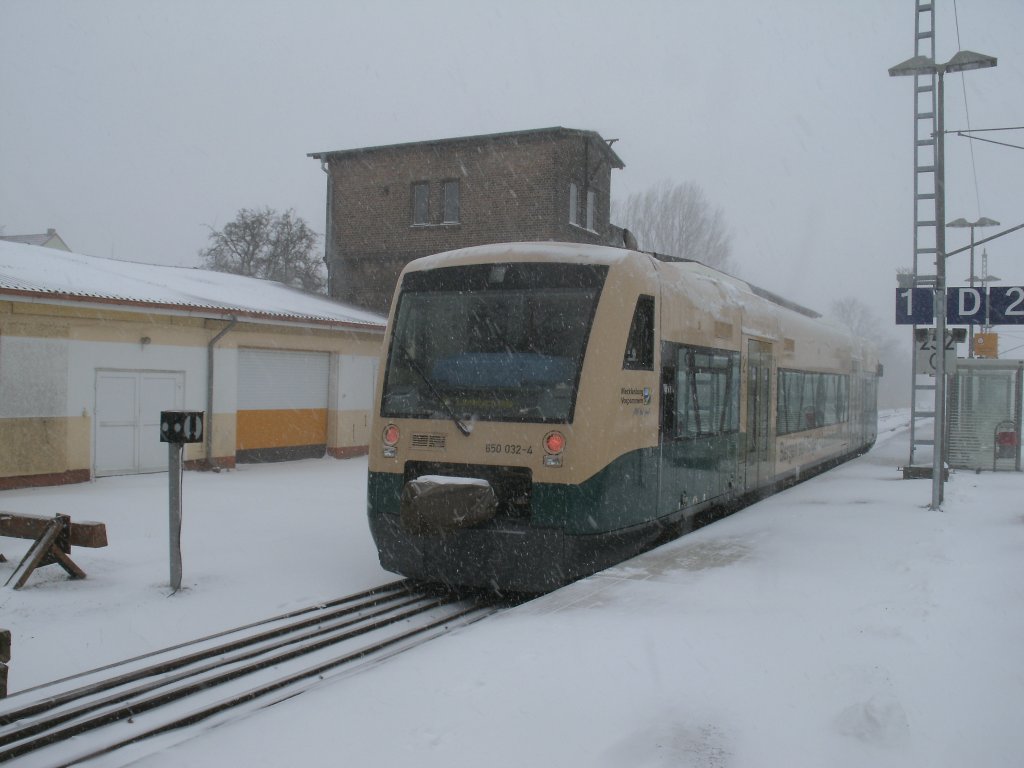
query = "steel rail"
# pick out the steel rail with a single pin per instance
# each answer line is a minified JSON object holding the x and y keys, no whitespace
{"x":59,"y":699}
{"x":161,"y":677}
{"x":483,"y":608}
{"x":394,"y":585}
{"x":36,"y":735}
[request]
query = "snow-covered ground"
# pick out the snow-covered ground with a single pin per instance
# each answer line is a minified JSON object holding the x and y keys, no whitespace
{"x":840,"y":623}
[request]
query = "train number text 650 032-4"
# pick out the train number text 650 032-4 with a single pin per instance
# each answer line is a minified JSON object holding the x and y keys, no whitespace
{"x":510,"y":449}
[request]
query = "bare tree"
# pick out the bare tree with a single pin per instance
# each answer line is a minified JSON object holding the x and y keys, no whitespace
{"x":677,"y":219}
{"x":893,"y":391}
{"x":266,"y":244}
{"x":860,"y":319}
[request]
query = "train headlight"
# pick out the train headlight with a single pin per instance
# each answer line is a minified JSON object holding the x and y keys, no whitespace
{"x":390,"y":437}
{"x":554,"y":444}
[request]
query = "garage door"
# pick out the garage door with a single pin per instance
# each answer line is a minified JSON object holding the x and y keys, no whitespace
{"x":282,"y":404}
{"x":128,"y":405}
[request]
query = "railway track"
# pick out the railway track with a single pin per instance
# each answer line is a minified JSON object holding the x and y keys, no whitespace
{"x":159,"y":696}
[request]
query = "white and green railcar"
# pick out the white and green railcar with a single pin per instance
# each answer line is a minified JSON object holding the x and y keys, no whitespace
{"x":545,"y":410}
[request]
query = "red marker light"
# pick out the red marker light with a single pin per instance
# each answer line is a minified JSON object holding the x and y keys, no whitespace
{"x":391,"y":435}
{"x":554,"y":442}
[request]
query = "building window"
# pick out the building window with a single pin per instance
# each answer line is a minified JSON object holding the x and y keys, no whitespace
{"x":420,"y":203}
{"x":451,"y":202}
{"x":574,"y":204}
{"x":591,"y":205}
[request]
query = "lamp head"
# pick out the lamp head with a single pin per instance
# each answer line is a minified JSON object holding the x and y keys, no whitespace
{"x":982,"y":222}
{"x":963,"y":61}
{"x":918,"y":65}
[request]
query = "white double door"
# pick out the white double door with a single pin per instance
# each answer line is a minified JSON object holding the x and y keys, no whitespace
{"x":127,"y":417}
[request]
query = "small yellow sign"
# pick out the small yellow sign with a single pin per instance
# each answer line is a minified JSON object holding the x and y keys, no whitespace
{"x":986,"y":345}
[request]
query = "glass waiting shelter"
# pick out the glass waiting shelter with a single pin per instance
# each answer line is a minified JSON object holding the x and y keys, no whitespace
{"x":984,"y":415}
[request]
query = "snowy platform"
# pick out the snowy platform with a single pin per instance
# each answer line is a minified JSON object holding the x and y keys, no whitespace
{"x":839,"y":623}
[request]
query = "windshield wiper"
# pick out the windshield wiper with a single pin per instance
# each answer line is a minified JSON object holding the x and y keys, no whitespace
{"x":463,"y":428}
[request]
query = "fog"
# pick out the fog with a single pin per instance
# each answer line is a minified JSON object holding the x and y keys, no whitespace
{"x":131,"y":126}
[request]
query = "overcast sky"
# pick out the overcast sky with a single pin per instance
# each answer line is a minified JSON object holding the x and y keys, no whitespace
{"x":129,"y":126}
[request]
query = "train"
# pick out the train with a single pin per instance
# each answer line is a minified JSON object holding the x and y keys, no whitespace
{"x":546,"y":410}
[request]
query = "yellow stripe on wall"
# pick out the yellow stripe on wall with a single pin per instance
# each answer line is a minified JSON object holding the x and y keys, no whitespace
{"x":281,"y":428}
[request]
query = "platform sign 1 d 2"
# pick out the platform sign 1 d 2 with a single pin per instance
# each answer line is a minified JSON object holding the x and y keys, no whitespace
{"x":1006,"y":305}
{"x":915,"y":306}
{"x":966,"y":306}
{"x":981,"y":306}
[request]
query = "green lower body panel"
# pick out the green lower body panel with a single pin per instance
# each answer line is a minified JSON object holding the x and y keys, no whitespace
{"x":570,"y":531}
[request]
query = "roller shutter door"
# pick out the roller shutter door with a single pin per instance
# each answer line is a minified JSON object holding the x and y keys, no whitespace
{"x":282,"y":404}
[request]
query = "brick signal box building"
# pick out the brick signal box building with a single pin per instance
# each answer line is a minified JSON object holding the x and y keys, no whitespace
{"x":391,"y":204}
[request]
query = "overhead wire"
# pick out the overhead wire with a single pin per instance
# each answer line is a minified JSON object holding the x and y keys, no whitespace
{"x":967,"y":111}
{"x":969,"y":134}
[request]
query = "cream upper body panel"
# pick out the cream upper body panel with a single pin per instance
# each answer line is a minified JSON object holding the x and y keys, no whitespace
{"x":617,"y":409}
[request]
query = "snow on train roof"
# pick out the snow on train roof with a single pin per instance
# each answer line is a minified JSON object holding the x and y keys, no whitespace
{"x":28,"y":270}
{"x":600,"y":254}
{"x":723,"y":290}
{"x":572,"y":252}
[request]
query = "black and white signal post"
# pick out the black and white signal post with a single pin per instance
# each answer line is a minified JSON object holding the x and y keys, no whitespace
{"x":176,"y":429}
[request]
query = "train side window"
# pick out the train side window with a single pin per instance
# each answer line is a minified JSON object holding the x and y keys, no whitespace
{"x":706,"y":393}
{"x":808,"y":400}
{"x":640,"y":344}
{"x":790,"y":402}
{"x":668,"y":391}
{"x":843,"y":403}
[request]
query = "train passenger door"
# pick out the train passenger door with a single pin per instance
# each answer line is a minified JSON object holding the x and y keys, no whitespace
{"x":759,"y":442}
{"x":856,"y":399}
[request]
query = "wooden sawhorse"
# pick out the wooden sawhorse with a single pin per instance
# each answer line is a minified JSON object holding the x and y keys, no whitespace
{"x":53,"y":539}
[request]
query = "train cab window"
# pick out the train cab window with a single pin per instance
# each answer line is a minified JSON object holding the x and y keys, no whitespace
{"x":491,"y":342}
{"x":640,"y":344}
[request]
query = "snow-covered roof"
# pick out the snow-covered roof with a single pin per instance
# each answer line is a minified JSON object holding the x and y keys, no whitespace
{"x":48,"y":239}
{"x":27,"y":239}
{"x":557,"y":130}
{"x":30,"y":271}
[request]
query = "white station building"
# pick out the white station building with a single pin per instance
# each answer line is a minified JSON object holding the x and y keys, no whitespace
{"x":93,"y":349}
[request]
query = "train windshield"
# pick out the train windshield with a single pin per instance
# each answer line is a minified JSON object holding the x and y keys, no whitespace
{"x":491,"y":342}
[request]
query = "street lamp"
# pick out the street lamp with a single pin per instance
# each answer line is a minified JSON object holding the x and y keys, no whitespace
{"x":982,"y":222}
{"x":924,"y":65}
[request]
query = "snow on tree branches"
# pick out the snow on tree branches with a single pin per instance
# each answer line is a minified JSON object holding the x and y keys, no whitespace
{"x":266,"y":244}
{"x":678,"y":220}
